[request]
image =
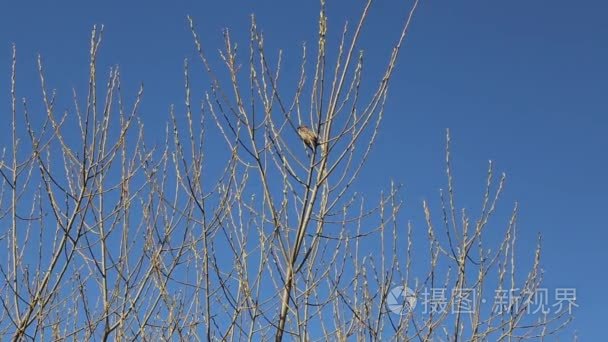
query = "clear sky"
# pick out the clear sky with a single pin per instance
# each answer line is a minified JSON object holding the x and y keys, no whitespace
{"x":524,"y":83}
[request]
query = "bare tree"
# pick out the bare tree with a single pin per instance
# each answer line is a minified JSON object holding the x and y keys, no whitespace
{"x":111,"y":237}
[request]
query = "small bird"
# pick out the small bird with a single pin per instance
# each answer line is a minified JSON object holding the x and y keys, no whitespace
{"x":308,"y":136}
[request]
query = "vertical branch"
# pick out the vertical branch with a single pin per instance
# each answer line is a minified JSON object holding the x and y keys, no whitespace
{"x":14,"y":189}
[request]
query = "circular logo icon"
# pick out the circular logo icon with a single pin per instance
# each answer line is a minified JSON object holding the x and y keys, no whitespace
{"x":401,"y":300}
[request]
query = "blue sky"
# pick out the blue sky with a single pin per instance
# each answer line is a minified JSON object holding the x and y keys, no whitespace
{"x":524,"y":83}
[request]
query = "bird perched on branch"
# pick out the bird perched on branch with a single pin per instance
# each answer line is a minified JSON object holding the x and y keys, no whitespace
{"x":308,"y":136}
